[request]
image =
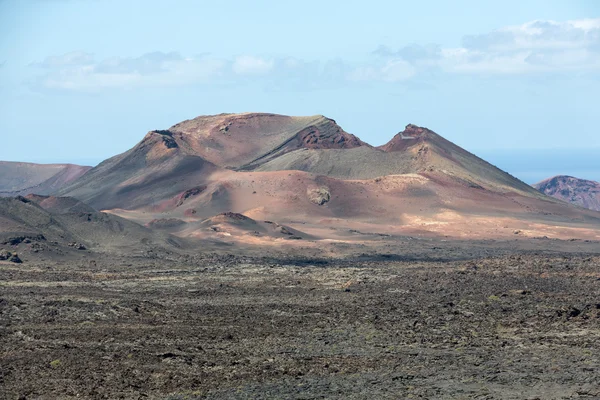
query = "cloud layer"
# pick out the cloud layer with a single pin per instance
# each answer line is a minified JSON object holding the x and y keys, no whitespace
{"x":534,"y":47}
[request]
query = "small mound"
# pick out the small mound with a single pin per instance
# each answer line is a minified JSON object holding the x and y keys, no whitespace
{"x":283,"y":231}
{"x":229,"y":218}
{"x":236,"y":224}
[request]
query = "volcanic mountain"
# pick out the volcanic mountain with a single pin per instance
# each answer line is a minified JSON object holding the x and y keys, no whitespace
{"x":577,"y":191}
{"x":20,"y":178}
{"x":308,"y":174}
{"x":167,"y":162}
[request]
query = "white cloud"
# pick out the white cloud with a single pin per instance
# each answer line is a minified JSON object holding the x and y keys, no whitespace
{"x":536,"y":35}
{"x":80,"y":72}
{"x":411,"y":53}
{"x":73,"y":58}
{"x":251,"y":65}
{"x":148,"y":63}
{"x":533,"y":47}
{"x":393,"y":71}
{"x":71,"y":73}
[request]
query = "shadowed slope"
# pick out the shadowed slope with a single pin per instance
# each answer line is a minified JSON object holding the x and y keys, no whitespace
{"x":156,"y":168}
{"x":60,"y":205}
{"x":21,"y":218}
{"x":431,"y":152}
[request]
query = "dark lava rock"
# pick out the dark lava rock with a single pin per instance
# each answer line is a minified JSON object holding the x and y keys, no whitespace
{"x":77,"y":246}
{"x":5,"y":254}
{"x":10,"y":256}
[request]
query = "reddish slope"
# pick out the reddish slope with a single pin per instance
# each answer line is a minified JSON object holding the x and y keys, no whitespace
{"x":577,"y":191}
{"x":248,"y":140}
{"x":18,"y":178}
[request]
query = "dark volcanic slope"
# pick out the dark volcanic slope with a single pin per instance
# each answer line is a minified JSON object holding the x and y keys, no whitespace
{"x":19,"y":178}
{"x":22,"y":218}
{"x":60,"y":205}
{"x":577,"y":191}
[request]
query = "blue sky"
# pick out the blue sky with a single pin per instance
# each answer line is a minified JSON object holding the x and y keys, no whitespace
{"x":514,"y":81}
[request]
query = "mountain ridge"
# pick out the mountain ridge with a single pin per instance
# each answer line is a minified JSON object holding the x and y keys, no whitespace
{"x":308,"y":174}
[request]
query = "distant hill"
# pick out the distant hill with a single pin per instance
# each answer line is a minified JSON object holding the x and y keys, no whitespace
{"x":573,"y":190}
{"x":20,"y":178}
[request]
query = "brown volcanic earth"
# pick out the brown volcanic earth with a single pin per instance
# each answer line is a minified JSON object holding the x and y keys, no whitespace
{"x":577,"y":191}
{"x":308,"y":174}
{"x":19,"y":178}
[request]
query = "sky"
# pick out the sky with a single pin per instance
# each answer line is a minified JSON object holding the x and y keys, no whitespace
{"x":516,"y":82}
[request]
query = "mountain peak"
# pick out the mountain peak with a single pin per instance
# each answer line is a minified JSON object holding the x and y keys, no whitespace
{"x":410,"y":136}
{"x":246,"y":140}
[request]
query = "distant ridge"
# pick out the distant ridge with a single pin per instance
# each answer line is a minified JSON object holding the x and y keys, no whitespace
{"x":581,"y":192}
{"x":21,"y":178}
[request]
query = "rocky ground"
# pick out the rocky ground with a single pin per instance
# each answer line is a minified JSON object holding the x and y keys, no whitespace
{"x":524,"y":325}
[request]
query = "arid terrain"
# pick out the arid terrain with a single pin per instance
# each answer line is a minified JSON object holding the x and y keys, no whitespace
{"x":440,"y":320}
{"x":261,"y":256}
